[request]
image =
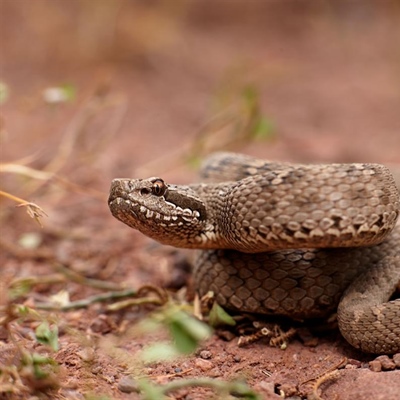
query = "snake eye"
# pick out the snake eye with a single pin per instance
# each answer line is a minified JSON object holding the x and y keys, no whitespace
{"x":159,"y":187}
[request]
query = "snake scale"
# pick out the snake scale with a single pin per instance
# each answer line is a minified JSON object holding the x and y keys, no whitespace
{"x":296,"y":240}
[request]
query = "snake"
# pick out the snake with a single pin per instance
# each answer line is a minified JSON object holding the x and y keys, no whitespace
{"x":301,"y":241}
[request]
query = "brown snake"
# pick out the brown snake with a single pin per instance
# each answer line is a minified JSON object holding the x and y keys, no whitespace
{"x":287,"y":239}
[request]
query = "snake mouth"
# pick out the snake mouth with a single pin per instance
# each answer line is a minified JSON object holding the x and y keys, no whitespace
{"x":140,"y":217}
{"x":135,"y":200}
{"x":122,"y":209}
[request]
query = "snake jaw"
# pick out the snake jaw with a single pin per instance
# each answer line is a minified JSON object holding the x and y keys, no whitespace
{"x":168,"y":216}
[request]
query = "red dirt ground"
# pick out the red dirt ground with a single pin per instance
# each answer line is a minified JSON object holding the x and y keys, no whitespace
{"x":149,"y":76}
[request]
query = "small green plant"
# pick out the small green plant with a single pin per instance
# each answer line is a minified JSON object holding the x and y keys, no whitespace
{"x":186,"y":333}
{"x":59,"y":94}
{"x":33,"y":371}
{"x":47,"y":335}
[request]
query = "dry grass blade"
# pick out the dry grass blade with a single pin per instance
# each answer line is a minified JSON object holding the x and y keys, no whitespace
{"x":19,"y":169}
{"x":75,"y":305}
{"x":33,"y":210}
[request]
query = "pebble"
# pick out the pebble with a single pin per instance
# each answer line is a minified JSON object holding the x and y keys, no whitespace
{"x":97,"y":369}
{"x":215,"y":373}
{"x":205,"y":354}
{"x":86,"y":354}
{"x":204,"y":365}
{"x":396,"y":360}
{"x":128,"y":385}
{"x":356,"y":363}
{"x":386,"y":362}
{"x":351,"y":366}
{"x":375,"y":366}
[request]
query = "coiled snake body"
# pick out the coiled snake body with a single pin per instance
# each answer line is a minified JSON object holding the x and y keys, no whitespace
{"x":287,"y":239}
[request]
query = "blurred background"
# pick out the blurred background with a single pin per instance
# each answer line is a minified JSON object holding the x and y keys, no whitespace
{"x":92,"y":90}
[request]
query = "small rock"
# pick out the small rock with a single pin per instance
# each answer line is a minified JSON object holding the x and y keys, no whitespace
{"x":97,"y":369}
{"x":215,"y":373}
{"x":396,"y":360}
{"x":86,"y":354}
{"x":177,"y":370}
{"x":237,"y":358}
{"x":204,"y":365}
{"x":356,"y":363}
{"x":386,"y":362}
{"x":128,"y":385}
{"x":375,"y":366}
{"x":205,"y":354}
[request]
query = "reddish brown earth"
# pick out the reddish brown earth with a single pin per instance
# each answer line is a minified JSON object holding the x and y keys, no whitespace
{"x":149,"y":77}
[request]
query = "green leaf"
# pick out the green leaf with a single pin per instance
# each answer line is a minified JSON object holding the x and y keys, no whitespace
{"x":42,"y":366}
{"x":264,"y":128}
{"x":183,"y":340}
{"x":38,"y":362}
{"x":241,"y":390}
{"x":187,"y":331}
{"x":150,"y":391}
{"x":27,"y":312}
{"x":159,"y":352}
{"x":219,"y":317}
{"x":45,"y":335}
{"x":197,"y":329}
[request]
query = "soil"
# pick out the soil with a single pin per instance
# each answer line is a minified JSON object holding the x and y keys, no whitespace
{"x":150,"y":77}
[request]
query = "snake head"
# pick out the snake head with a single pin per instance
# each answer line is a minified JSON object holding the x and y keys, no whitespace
{"x":170,"y":214}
